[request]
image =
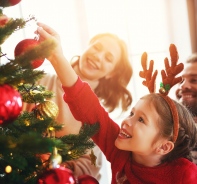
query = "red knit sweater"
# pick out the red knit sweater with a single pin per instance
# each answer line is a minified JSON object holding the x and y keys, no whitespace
{"x":86,"y":108}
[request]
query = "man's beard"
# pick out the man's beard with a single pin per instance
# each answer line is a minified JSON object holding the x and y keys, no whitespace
{"x":192,"y":107}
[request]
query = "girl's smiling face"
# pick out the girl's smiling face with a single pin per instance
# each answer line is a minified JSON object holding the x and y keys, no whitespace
{"x":139,"y":131}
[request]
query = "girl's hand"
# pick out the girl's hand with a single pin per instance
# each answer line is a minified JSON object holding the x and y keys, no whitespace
{"x":45,"y":32}
{"x":57,"y":59}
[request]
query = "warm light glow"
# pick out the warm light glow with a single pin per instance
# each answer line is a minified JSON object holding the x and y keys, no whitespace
{"x":69,"y":152}
{"x":51,"y":128}
{"x":8,"y":169}
{"x":27,"y":123}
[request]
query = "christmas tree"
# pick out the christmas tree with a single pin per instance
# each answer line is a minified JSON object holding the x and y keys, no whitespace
{"x":26,"y":138}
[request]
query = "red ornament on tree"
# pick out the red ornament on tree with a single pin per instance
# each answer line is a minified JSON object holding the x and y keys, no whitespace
{"x":3,"y":20}
{"x":86,"y":179}
{"x":25,"y":45}
{"x":10,"y":104}
{"x":59,"y":175}
{"x":6,"y":3}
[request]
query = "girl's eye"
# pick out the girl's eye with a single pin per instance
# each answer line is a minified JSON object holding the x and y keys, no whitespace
{"x":141,"y":120}
{"x":131,"y":114}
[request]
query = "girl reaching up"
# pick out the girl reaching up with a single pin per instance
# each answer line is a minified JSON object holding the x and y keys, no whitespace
{"x":154,"y":142}
{"x":105,"y":65}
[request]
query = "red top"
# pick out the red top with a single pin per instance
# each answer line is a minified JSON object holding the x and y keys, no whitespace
{"x":86,"y":108}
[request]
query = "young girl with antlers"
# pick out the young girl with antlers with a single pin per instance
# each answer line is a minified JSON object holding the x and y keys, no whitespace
{"x":154,"y":142}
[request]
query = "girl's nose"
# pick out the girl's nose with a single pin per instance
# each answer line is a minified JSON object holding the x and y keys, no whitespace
{"x":128,"y":122}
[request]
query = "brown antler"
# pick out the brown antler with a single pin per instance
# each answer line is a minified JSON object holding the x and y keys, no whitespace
{"x":149,"y":81}
{"x":168,"y":75}
{"x":169,"y":80}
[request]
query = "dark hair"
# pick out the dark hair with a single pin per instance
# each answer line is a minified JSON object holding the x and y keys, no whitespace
{"x":187,"y":135}
{"x":113,"y":91}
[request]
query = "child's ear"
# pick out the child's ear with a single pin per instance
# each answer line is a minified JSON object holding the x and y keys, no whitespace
{"x":165,"y":148}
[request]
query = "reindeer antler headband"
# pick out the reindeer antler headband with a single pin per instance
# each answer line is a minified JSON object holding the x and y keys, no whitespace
{"x":168,"y":81}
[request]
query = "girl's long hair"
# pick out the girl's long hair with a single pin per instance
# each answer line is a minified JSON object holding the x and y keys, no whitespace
{"x":187,"y":135}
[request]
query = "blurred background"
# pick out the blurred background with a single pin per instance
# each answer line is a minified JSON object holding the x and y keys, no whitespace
{"x":149,"y":26}
{"x":144,"y":25}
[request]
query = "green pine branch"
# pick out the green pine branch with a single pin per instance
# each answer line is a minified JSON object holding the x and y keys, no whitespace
{"x":79,"y":144}
{"x":23,"y":140}
{"x":20,"y":150}
{"x":13,"y":25}
{"x":20,"y":69}
{"x":34,"y":93}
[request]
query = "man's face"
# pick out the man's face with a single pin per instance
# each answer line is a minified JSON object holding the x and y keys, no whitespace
{"x":187,"y":91}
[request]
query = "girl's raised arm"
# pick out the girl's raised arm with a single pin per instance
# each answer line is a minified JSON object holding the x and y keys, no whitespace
{"x":64,"y":70}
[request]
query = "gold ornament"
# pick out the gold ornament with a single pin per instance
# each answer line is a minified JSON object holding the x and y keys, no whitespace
{"x":51,"y":132}
{"x":27,"y":122}
{"x":48,"y":109}
{"x":162,"y":90}
{"x":55,"y":159}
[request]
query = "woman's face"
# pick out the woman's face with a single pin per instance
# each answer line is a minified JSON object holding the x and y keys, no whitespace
{"x":100,"y":59}
{"x":139,"y":131}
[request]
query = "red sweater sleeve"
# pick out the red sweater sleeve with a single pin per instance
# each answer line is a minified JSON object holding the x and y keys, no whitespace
{"x":190,"y":174}
{"x":86,"y":108}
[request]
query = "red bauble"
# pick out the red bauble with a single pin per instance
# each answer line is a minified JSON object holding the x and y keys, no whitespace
{"x":58,"y":176}
{"x":25,"y":45}
{"x":86,"y":179}
{"x":6,"y":3}
{"x":10,"y":104}
{"x":14,"y":2}
{"x":3,"y":20}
